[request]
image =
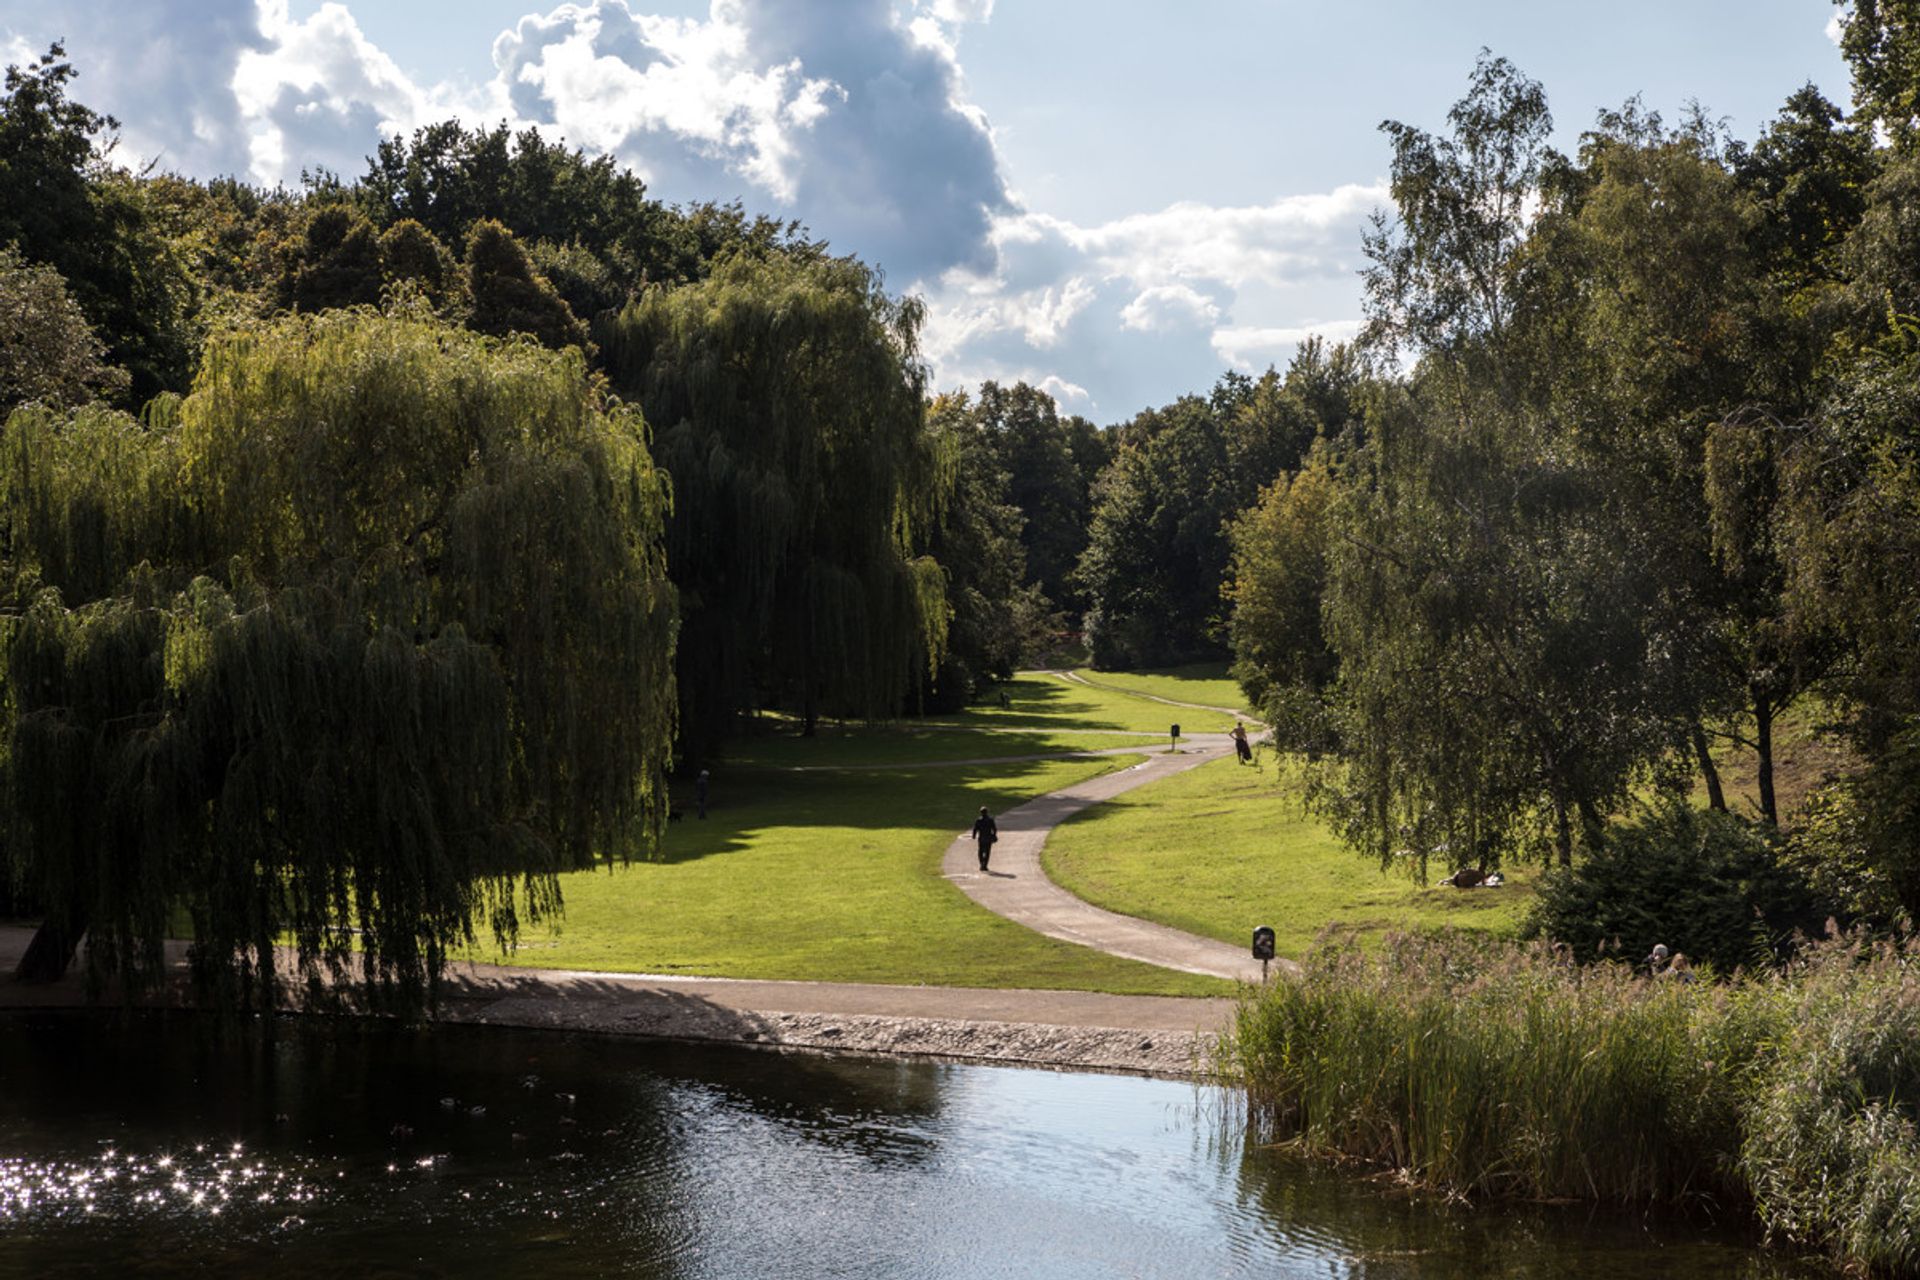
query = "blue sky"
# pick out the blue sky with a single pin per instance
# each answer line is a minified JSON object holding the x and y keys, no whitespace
{"x":1114,"y":199}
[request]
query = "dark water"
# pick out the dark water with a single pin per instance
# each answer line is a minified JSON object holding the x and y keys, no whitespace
{"x":153,"y":1146}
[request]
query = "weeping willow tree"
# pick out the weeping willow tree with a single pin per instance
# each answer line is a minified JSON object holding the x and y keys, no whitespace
{"x":788,"y":400}
{"x":355,"y":647}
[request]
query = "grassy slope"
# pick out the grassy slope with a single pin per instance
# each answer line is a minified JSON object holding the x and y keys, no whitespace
{"x":831,"y":877}
{"x":1223,"y":848}
{"x":1205,"y":683}
{"x":1043,"y":701}
{"x":905,"y":745}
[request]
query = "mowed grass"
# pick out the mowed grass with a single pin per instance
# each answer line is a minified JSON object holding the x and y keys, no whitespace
{"x":1205,"y":684}
{"x":909,"y":745}
{"x":1223,"y":848}
{"x":1045,"y":702}
{"x":831,"y":876}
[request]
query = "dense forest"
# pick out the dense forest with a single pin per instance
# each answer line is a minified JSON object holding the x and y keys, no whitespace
{"x":1622,"y":470}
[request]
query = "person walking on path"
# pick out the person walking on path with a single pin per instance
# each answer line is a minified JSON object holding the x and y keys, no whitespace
{"x":1241,"y":747}
{"x":985,"y":832}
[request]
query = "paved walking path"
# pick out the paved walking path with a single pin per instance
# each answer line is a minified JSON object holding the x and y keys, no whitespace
{"x":1016,"y":886}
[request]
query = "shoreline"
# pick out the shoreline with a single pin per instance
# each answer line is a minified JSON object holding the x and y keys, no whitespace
{"x":1168,"y":1037}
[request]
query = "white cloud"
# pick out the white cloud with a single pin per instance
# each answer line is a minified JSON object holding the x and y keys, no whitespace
{"x":1836,"y":26}
{"x":1158,"y":300}
{"x":1061,"y":390}
{"x":1250,"y":346}
{"x":1164,"y":305}
{"x":318,"y":93}
{"x":859,"y":125}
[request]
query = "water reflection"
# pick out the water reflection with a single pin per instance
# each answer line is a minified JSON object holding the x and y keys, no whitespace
{"x":155,"y":1146}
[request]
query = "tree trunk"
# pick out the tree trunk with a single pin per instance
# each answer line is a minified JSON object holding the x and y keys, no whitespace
{"x":809,"y":709}
{"x":1562,"y":831}
{"x":1593,"y":829}
{"x":1716,"y":798}
{"x":1763,"y":747}
{"x":55,"y":943}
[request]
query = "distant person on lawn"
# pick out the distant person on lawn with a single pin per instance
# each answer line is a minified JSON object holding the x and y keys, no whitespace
{"x":1241,"y":747}
{"x":985,"y":832}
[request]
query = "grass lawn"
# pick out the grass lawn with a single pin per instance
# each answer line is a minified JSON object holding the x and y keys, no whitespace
{"x":1042,"y":701}
{"x":1223,"y":848}
{"x":831,"y":877}
{"x":907,"y":744}
{"x":1205,"y":683}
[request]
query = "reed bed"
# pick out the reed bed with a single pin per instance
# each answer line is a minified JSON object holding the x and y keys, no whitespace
{"x":1490,"y":1069}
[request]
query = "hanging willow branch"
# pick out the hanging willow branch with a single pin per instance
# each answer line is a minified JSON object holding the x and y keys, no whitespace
{"x":356,"y":647}
{"x":789,"y":400}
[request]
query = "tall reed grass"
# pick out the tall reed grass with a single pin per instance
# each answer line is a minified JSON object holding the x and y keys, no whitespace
{"x":1490,"y":1069}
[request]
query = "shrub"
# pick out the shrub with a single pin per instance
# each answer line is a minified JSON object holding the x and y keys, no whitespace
{"x":1484,"y":1068}
{"x":1487,"y":1068}
{"x":1831,"y":1150}
{"x":1711,"y":885}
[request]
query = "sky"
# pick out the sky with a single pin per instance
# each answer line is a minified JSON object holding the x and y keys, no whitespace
{"x":1116,"y":200}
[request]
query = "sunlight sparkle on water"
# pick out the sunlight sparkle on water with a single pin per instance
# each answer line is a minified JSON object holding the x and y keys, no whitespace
{"x":119,"y":1183}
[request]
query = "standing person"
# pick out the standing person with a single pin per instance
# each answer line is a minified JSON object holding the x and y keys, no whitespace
{"x":700,"y":794}
{"x":1241,"y":747}
{"x":985,"y":832}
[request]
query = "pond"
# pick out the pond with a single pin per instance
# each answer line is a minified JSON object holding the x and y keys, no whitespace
{"x":154,"y":1145}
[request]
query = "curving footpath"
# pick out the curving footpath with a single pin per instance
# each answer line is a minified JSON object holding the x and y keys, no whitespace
{"x":1016,"y":886}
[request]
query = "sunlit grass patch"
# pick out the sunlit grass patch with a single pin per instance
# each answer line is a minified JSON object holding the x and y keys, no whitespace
{"x":1203,"y":683}
{"x":831,"y":877}
{"x":1223,"y":848}
{"x":1044,"y":701}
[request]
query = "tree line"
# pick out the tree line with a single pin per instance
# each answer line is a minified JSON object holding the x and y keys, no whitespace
{"x":1620,"y":471}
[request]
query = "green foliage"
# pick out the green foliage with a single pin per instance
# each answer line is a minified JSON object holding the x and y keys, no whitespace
{"x":340,"y":263}
{"x":1831,"y":1147}
{"x":1810,"y":173}
{"x":447,"y":177}
{"x":1712,"y":886}
{"x":587,"y":283}
{"x":1444,"y":276}
{"x":1049,"y":464}
{"x":788,"y":403}
{"x":48,"y":352}
{"x":61,"y":206}
{"x":1277,"y":580}
{"x":359,"y":644}
{"x":1881,"y":42}
{"x":1488,"y":1070}
{"x":508,"y":296}
{"x":976,"y":541}
{"x":1158,"y":550}
{"x":410,"y":254}
{"x":1480,"y":1068}
{"x":1883,"y":253}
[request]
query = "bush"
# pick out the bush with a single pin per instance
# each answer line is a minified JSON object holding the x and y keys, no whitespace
{"x":1711,"y":885}
{"x":1483,"y":1068}
{"x":1486,"y":1068}
{"x":1831,"y":1149}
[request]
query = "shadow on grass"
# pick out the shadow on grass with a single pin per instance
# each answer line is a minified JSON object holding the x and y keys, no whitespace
{"x":745,"y":804}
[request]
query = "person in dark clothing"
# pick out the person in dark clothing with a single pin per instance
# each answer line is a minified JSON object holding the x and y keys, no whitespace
{"x":700,"y":794}
{"x":985,"y":833}
{"x":1241,"y":746}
